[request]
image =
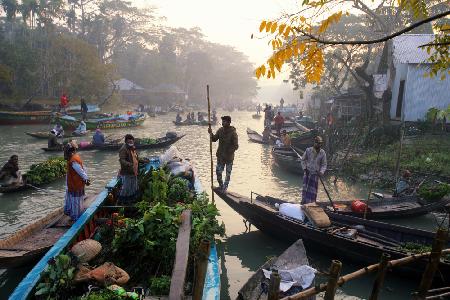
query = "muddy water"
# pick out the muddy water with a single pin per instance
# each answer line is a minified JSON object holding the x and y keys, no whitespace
{"x":242,"y":252}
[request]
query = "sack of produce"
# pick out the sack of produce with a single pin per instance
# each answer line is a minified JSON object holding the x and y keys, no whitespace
{"x":108,"y":274}
{"x":86,"y":250}
{"x":316,"y":215}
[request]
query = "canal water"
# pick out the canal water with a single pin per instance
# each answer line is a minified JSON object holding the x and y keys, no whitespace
{"x":241,"y":252}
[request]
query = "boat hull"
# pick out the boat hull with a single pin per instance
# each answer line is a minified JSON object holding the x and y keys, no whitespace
{"x":162,"y":142}
{"x":92,"y":125}
{"x":285,"y":228}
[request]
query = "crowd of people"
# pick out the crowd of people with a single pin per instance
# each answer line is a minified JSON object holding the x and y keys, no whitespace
{"x":190,"y":118}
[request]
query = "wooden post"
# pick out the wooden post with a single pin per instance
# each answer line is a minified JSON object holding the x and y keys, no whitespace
{"x":274,"y":286}
{"x":335,"y":270}
{"x":200,"y":269}
{"x":433,"y":263}
{"x":383,"y":267}
{"x":210,"y":144}
{"x":181,"y":257}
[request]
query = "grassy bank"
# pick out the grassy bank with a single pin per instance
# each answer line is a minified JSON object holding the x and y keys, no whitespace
{"x":425,"y":156}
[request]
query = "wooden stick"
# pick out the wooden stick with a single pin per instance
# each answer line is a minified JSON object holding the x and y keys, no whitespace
{"x":274,"y":286}
{"x":383,"y":267}
{"x":181,"y":257}
{"x":210,"y":143}
{"x":441,"y":296}
{"x":201,"y":267}
{"x":428,"y":275}
{"x":371,"y":182}
{"x":330,"y":290}
{"x":358,"y":273}
{"x":326,"y":191}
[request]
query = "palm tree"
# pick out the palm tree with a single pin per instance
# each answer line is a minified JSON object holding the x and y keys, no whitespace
{"x":10,"y":7}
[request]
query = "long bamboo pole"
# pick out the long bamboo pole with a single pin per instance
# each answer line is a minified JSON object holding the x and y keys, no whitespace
{"x":358,"y":273}
{"x":210,"y":143}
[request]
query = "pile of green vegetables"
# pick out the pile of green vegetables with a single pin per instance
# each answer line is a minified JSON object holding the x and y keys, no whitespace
{"x":434,"y":192}
{"x":294,"y":134}
{"x":143,"y":242}
{"x":47,"y":171}
{"x":147,"y":141}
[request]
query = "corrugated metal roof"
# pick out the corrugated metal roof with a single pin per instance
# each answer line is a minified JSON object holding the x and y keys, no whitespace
{"x":407,"y":51}
{"x":126,"y":85}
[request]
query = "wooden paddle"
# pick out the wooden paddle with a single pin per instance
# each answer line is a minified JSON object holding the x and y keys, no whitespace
{"x":210,"y":143}
{"x":323,"y":184}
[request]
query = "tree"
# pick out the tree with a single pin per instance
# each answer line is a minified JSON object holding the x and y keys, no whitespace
{"x":299,"y":35}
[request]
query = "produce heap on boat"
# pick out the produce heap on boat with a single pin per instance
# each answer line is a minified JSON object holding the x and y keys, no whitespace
{"x":133,"y":245}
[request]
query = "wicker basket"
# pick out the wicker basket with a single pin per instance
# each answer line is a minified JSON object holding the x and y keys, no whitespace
{"x":86,"y":250}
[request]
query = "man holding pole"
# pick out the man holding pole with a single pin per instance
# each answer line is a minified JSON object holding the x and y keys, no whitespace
{"x":228,"y":144}
{"x":314,"y":164}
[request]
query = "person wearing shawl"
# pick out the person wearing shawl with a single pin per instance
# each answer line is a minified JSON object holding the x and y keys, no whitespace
{"x":314,"y":164}
{"x":10,"y":174}
{"x":98,"y":138}
{"x":129,"y":169}
{"x":76,"y":180}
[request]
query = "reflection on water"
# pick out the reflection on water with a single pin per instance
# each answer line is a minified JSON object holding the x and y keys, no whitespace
{"x":253,"y":170}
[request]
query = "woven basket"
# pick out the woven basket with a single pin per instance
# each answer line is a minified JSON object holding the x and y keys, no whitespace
{"x":86,"y":250}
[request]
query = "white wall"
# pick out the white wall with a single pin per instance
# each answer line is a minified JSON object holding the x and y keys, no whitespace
{"x":423,"y":93}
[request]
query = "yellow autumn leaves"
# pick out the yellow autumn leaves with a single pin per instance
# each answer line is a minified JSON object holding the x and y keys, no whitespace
{"x":287,"y":45}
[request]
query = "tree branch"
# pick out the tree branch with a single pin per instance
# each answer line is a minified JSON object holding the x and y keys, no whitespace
{"x":375,"y":41}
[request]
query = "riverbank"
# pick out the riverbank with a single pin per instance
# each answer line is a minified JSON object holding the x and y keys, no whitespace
{"x":427,"y":157}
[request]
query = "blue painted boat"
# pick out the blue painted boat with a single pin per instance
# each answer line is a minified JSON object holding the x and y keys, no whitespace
{"x":85,"y":227}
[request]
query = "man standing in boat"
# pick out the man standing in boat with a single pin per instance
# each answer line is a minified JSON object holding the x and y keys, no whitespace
{"x":314,"y":164}
{"x":129,"y":168}
{"x":228,"y":144}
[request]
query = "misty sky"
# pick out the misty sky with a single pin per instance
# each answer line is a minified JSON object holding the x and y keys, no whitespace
{"x":228,"y":22}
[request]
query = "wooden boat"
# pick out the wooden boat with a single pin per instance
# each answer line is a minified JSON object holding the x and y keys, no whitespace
{"x":45,"y":134}
{"x":105,"y":123}
{"x":160,"y":143}
{"x":34,"y":117}
{"x":372,"y":239}
{"x":256,"y":116}
{"x":304,"y":140}
{"x":31,"y":242}
{"x":22,"y":187}
{"x":390,"y":207}
{"x":255,"y":137}
{"x":85,"y":228}
{"x":293,"y":257}
{"x":287,"y":159}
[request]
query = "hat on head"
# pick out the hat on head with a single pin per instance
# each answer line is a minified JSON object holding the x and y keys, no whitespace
{"x":226,"y":118}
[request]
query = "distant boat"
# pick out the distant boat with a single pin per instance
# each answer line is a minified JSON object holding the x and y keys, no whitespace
{"x":103,"y":123}
{"x":40,"y":117}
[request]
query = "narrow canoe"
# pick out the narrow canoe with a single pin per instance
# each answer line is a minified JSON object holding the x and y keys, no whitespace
{"x":93,"y":124}
{"x":31,"y":117}
{"x":389,"y":207}
{"x":294,"y":256}
{"x":372,"y":239}
{"x":46,"y":134}
{"x":31,"y":242}
{"x":255,"y":137}
{"x":160,"y":143}
{"x":201,"y":123}
{"x":287,"y":159}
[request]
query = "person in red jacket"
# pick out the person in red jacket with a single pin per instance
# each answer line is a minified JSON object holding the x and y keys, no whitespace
{"x":64,"y":102}
{"x":279,"y":121}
